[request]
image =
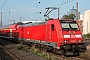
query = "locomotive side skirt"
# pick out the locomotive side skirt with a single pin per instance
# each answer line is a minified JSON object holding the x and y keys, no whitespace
{"x":41,"y":42}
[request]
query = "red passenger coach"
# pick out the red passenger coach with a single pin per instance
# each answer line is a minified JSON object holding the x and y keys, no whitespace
{"x":9,"y":31}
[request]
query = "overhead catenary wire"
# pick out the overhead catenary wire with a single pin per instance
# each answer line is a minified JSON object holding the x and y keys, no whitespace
{"x":3,"y":4}
{"x":64,"y":2}
{"x":36,"y":12}
{"x":41,"y":11}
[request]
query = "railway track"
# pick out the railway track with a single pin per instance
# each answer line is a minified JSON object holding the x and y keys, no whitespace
{"x":9,"y":53}
{"x":62,"y":57}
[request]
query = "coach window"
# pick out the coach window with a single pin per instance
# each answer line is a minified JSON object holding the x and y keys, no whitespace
{"x":52,"y":27}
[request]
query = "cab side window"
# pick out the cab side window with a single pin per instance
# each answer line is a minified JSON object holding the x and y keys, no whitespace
{"x":52,"y":26}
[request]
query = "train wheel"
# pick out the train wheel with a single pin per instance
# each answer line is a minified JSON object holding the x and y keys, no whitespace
{"x":55,"y":51}
{"x":10,"y":39}
{"x":16,"y":39}
{"x":44,"y":48}
{"x":30,"y":44}
{"x":76,"y":53}
{"x":83,"y":50}
{"x":61,"y":52}
{"x":40,"y":47}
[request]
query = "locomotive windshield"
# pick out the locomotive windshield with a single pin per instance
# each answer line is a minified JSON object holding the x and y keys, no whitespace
{"x":69,"y":25}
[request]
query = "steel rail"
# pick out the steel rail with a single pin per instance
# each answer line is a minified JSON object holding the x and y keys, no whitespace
{"x":9,"y":53}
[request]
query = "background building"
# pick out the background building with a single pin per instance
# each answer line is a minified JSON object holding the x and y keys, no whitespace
{"x":86,"y":21}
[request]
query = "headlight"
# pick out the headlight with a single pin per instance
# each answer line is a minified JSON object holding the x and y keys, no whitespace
{"x":65,"y":41}
{"x":79,"y":41}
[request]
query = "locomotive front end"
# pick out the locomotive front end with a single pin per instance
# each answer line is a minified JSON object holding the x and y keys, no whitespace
{"x":72,"y":38}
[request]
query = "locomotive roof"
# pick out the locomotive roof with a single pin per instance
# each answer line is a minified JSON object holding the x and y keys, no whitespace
{"x":67,"y":20}
{"x":25,"y":22}
{"x":8,"y":26}
{"x":31,"y":23}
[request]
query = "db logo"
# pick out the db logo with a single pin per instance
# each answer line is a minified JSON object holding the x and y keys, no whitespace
{"x":72,"y":36}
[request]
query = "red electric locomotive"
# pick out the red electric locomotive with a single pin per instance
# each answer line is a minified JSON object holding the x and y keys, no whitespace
{"x":59,"y":36}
